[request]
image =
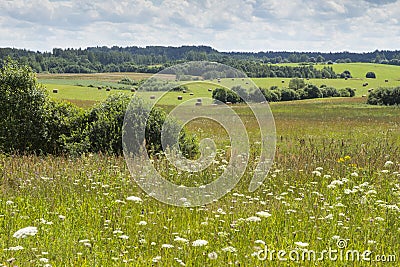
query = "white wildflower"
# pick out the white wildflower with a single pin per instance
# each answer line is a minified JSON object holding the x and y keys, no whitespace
{"x":264,"y":214}
{"x":167,"y":246}
{"x":181,"y":239}
{"x":24,"y":232}
{"x":388,"y":163}
{"x":44,"y":260}
{"x":156,"y":259}
{"x":213,"y":255}
{"x":134,"y":199}
{"x":199,"y":243}
{"x":15,"y":248}
{"x":229,"y":249}
{"x":316,"y":173}
{"x":301,"y":244}
{"x":253,"y":219}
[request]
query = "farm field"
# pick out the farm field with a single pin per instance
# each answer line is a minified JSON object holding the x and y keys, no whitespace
{"x":82,"y":88}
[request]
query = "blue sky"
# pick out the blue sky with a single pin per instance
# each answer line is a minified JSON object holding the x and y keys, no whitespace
{"x":246,"y":25}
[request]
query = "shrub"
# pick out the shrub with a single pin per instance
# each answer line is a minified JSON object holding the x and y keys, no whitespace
{"x":344,"y":93}
{"x":219,"y":94}
{"x":289,"y":94}
{"x":63,"y":120}
{"x":127,"y":81}
{"x":296,"y":83}
{"x":371,"y":75}
{"x":135,"y":123}
{"x":384,"y":96}
{"x":271,"y":95}
{"x":22,"y":107}
{"x":224,"y":95}
{"x":232,"y":97}
{"x":329,"y":91}
{"x":312,"y":91}
{"x":351,"y":91}
{"x":345,"y":74}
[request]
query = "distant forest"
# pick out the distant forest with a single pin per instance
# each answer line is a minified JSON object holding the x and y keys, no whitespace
{"x":152,"y":59}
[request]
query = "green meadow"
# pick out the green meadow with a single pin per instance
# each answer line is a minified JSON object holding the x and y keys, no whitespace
{"x":332,"y":194}
{"x":82,"y":88}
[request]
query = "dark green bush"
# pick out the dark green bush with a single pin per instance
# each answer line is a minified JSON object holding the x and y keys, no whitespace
{"x":22,"y":108}
{"x":370,"y":75}
{"x":384,"y":96}
{"x":311,"y":91}
{"x":329,"y":91}
{"x":289,"y":94}
{"x":224,"y":95}
{"x":271,"y":95}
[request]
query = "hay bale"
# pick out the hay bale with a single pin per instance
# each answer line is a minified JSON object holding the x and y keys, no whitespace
{"x":197,"y":104}
{"x":209,"y":89}
{"x":199,"y":100}
{"x":364,"y":95}
{"x":98,"y":87}
{"x":370,"y":90}
{"x":152,"y":97}
{"x":180,"y":97}
{"x":229,"y":103}
{"x":191,"y":94}
{"x":184,"y":91}
{"x":133,"y":90}
{"x":283,"y":81}
{"x":55,"y":91}
{"x":386,"y":81}
{"x":108,"y":89}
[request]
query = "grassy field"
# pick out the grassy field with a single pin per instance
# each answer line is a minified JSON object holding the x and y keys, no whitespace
{"x":81,"y":88}
{"x":334,"y":185}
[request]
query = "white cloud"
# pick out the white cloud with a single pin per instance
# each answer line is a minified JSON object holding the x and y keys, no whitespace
{"x":249,"y":25}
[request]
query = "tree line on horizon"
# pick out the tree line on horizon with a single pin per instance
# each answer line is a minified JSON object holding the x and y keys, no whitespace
{"x":152,"y":59}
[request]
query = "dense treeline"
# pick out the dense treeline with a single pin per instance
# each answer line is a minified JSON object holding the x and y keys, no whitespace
{"x":152,"y":59}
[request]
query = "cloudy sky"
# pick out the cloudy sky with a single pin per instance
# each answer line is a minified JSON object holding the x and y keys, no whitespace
{"x":235,"y":25}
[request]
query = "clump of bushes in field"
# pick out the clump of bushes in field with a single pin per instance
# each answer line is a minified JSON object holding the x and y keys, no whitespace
{"x":370,"y":75}
{"x":384,"y":96}
{"x":33,"y":123}
{"x":297,"y":90}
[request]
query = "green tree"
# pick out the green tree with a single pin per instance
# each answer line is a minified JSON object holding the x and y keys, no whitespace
{"x":288,"y":94}
{"x":219,"y":94}
{"x":22,"y":107}
{"x":312,"y":91}
{"x":296,"y":83}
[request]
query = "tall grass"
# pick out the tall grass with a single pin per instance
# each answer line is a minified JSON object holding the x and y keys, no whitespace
{"x":336,"y":176}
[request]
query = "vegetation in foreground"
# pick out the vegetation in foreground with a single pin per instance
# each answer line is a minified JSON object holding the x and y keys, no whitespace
{"x":336,"y":177}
